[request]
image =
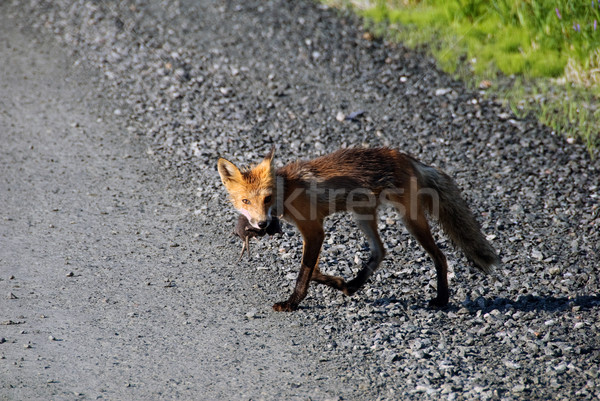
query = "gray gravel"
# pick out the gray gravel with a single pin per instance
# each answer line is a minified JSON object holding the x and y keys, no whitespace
{"x":188,"y":81}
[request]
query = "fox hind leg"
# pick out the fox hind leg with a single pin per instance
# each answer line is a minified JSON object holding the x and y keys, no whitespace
{"x":332,"y":281}
{"x":367,"y":222}
{"x":419,"y":228}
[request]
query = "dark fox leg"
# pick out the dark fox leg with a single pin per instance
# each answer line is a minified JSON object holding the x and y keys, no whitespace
{"x":368,"y":224}
{"x":419,"y":228}
{"x":313,"y":235}
{"x":332,"y":281}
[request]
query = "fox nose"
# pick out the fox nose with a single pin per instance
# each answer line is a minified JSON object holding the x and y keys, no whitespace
{"x":263,"y":224}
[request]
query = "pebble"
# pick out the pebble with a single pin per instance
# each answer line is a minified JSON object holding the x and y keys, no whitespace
{"x":562,"y":368}
{"x":519,"y":388}
{"x":537,"y":255}
{"x":512,"y":365}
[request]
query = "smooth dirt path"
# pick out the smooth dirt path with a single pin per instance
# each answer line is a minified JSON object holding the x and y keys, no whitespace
{"x":105,"y":290}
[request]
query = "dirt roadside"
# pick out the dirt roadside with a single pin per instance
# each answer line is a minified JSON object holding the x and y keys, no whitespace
{"x":106,"y":290}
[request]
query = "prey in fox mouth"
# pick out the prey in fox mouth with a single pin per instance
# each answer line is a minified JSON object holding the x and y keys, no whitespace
{"x":245,"y":231}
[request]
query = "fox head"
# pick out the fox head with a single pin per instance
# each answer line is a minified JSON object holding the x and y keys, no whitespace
{"x":251,"y":190}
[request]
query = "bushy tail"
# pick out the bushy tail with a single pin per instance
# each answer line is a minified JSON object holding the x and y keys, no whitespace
{"x":456,"y":218}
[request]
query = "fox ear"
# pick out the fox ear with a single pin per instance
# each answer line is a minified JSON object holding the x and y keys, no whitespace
{"x":267,"y":163}
{"x":228,"y":172}
{"x":269,"y":156}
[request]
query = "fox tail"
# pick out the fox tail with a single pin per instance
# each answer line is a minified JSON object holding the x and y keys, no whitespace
{"x":456,"y":218}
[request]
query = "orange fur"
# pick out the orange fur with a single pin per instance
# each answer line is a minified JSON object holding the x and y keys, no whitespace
{"x":357,"y":180}
{"x":251,"y":190}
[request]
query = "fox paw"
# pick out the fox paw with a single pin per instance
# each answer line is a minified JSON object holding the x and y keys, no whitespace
{"x":438,"y":302}
{"x":352,"y":287}
{"x":350,"y":290}
{"x":285,"y":306}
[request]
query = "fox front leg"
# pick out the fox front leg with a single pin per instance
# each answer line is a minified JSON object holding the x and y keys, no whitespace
{"x":313,"y":240}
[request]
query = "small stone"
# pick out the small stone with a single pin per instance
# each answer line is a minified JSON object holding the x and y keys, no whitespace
{"x":446,"y":388}
{"x":355,"y":115}
{"x":519,"y":388}
{"x":537,"y":255}
{"x":12,"y":296}
{"x":340,"y":116}
{"x":512,"y":365}
{"x":70,"y":274}
{"x":420,"y":389}
{"x":561,"y":368}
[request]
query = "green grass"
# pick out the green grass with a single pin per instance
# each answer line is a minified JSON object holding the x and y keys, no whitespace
{"x":568,"y":110}
{"x":533,"y":38}
{"x":538,"y":53}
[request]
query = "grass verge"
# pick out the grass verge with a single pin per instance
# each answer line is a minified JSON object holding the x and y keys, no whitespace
{"x":541,"y":56}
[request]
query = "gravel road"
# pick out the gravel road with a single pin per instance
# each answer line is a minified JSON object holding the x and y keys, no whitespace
{"x":118,"y":273}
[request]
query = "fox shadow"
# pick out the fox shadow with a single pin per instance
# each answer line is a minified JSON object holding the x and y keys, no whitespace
{"x":529,"y":303}
{"x":523,"y":303}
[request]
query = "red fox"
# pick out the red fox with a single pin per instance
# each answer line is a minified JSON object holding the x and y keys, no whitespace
{"x":357,"y":180}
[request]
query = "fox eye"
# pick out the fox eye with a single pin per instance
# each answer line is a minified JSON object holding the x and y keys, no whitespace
{"x":246,"y":201}
{"x":268,"y":199}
